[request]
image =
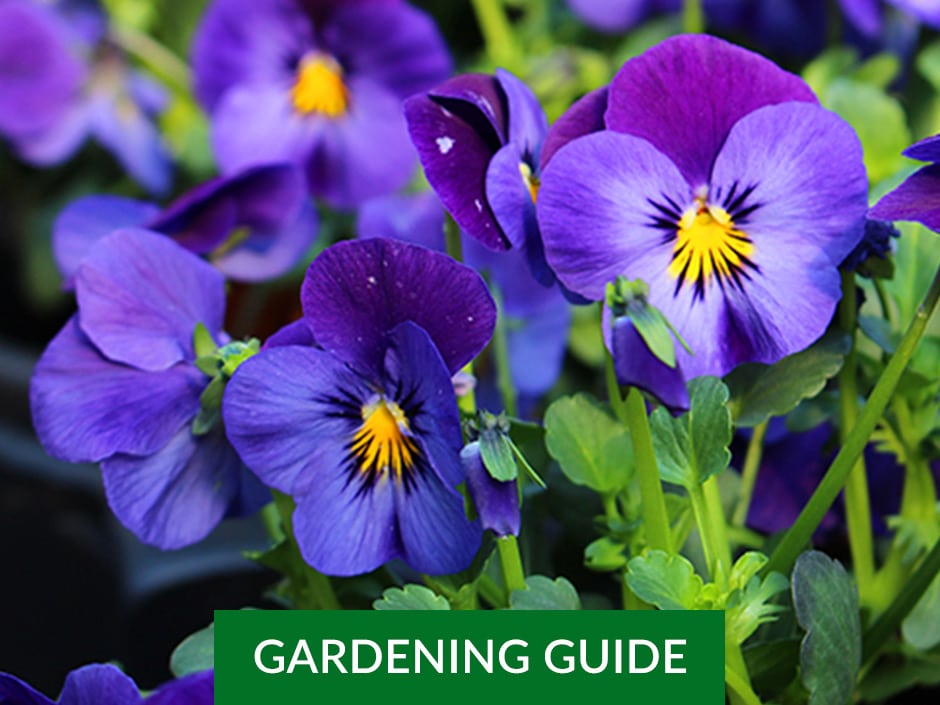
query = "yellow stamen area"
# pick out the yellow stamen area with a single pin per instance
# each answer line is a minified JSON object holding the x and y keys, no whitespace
{"x":382,"y":443}
{"x":531,"y":181}
{"x":708,"y":244}
{"x":319,"y":87}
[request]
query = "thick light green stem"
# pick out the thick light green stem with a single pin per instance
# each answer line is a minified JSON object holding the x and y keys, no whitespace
{"x":833,"y":481}
{"x":693,"y":18}
{"x":498,"y":37}
{"x":755,"y":451}
{"x":163,"y":62}
{"x":511,"y":563}
{"x":655,"y":518}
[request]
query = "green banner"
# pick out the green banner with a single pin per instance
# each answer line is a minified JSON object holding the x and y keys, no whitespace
{"x":457,"y":657}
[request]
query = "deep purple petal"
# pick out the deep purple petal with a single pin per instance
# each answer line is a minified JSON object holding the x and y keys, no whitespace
{"x":611,"y":16}
{"x":17,"y":692}
{"x":356,"y":292}
{"x":865,"y":15}
{"x":86,"y":407}
{"x":698,"y":75}
{"x":497,"y":503}
{"x":527,"y":122}
{"x":582,"y":118}
{"x":416,"y":218}
{"x":176,"y":496}
{"x":193,"y":689}
{"x":927,"y":150}
{"x":637,"y":366}
{"x":141,"y":296}
{"x":296,"y":333}
{"x":596,"y":219}
{"x":917,"y":199}
{"x":86,"y":220}
{"x":280,"y":413}
{"x":99,"y":684}
{"x":478,"y":99}
{"x":392,"y":43}
{"x":248,"y":42}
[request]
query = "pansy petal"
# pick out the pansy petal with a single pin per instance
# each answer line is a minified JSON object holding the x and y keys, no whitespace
{"x":296,"y":333}
{"x":86,"y":220}
{"x":537,"y":345}
{"x":595,"y":210}
{"x":86,"y":407}
{"x":455,"y":157}
{"x":290,"y":412}
{"x":193,"y":689}
{"x":700,"y":71}
{"x":582,"y":118}
{"x":611,"y":16}
{"x":636,"y":366}
{"x":927,"y":150}
{"x":60,"y":141}
{"x":527,"y":122}
{"x":417,"y":218}
{"x":496,"y":502}
{"x":141,"y":296}
{"x":917,"y":199}
{"x":13,"y":690}
{"x":865,"y":15}
{"x":99,"y":684}
{"x":479,"y":100}
{"x":356,"y":292}
{"x":176,"y":496}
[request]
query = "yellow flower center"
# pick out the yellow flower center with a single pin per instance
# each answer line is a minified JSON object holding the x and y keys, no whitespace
{"x":709,"y":246}
{"x":319,"y":87}
{"x":531,"y":181}
{"x":382,"y":443}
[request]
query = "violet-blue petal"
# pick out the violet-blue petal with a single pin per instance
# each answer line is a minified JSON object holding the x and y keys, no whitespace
{"x":478,"y":99}
{"x":193,"y":689}
{"x":60,"y":141}
{"x":701,"y":75}
{"x":84,"y":221}
{"x":356,"y":292}
{"x":279,"y":413}
{"x":86,"y":407}
{"x":927,"y":150}
{"x":417,"y":218}
{"x":141,"y":296}
{"x":594,"y":214}
{"x":585,"y":116}
{"x":926,"y":11}
{"x":17,"y":692}
{"x":537,"y":345}
{"x":611,"y":16}
{"x":917,"y":199}
{"x":176,"y":496}
{"x":865,"y":15}
{"x":636,"y":366}
{"x":527,"y":122}
{"x":296,"y":333}
{"x":99,"y":684}
{"x":496,"y":502}
{"x":455,"y":142}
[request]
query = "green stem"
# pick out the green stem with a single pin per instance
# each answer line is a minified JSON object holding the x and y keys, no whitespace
{"x":501,"y":46}
{"x":857,"y":504}
{"x":492,"y":593}
{"x":755,"y":451}
{"x":693,"y":18}
{"x":511,"y":563}
{"x":740,"y":688}
{"x":501,"y":351}
{"x":655,"y":518}
{"x":711,"y":528}
{"x":827,"y":491}
{"x":163,"y":62}
{"x":613,"y":388}
{"x":910,"y":594}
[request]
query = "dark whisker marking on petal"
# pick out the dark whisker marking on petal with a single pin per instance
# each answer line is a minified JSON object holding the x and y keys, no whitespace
{"x":734,"y":206}
{"x":730,"y":196}
{"x":671,"y":214}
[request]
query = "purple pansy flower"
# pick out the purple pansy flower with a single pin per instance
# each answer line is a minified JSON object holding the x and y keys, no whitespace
{"x":193,"y":689}
{"x":101,"y":684}
{"x":253,"y":225}
{"x":363,"y":432}
{"x":868,"y":16}
{"x":119,"y":385}
{"x":539,"y":317}
{"x":496,"y":502}
{"x":479,"y":139}
{"x":62,"y":80}
{"x":918,"y":198}
{"x":320,"y":83}
{"x":721,"y":195}
{"x":614,"y":16}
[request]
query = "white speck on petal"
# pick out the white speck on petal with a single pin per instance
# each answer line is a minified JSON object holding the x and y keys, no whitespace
{"x":476,"y":202}
{"x":445,"y":144}
{"x":371,"y":281}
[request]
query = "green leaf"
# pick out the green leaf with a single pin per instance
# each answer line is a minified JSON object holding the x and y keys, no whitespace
{"x":921,"y":628}
{"x":585,"y":340}
{"x":760,"y":391}
{"x":747,"y":608}
{"x":203,"y":344}
{"x":667,"y":581}
{"x":828,"y":66}
{"x":879,"y":70}
{"x":605,"y":555}
{"x":592,"y":447}
{"x":195,"y":653}
{"x":497,"y":455}
{"x":411,"y":597}
{"x":826,"y":603}
{"x":928,"y":63}
{"x":693,"y":447}
{"x":651,"y":325}
{"x":890,"y":677}
{"x":772,"y":665}
{"x":545,"y":594}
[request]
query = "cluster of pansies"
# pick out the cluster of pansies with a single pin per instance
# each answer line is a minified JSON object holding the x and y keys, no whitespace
{"x":702,"y":211}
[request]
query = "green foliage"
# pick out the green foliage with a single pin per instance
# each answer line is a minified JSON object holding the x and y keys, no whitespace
{"x":195,"y":653}
{"x":667,"y":581}
{"x":497,"y":455}
{"x":693,"y":447}
{"x":826,"y":603}
{"x":543,"y":593}
{"x":605,"y":555}
{"x":921,"y":628}
{"x":410,"y":597}
{"x":591,"y":446}
{"x":760,"y":391}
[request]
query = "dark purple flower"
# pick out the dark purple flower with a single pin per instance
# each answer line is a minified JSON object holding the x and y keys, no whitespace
{"x":868,"y":16}
{"x":253,"y":225}
{"x":479,"y":139}
{"x":875,"y":243}
{"x":101,"y":684}
{"x":538,"y":317}
{"x":615,"y":16}
{"x":61,"y":80}
{"x":496,"y":502}
{"x":320,"y":83}
{"x":119,"y":385}
{"x":363,"y":432}
{"x":737,"y":220}
{"x":193,"y":689}
{"x":918,"y":198}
